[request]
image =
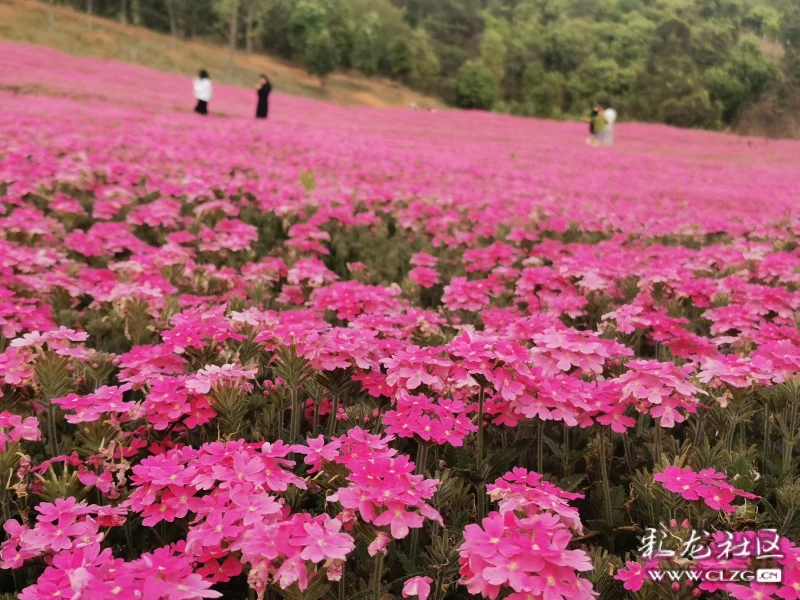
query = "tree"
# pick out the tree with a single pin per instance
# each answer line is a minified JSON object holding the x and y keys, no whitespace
{"x":320,"y":55}
{"x":366,"y":46}
{"x":544,"y":92}
{"x":307,"y":22}
{"x":475,"y":87}
{"x":790,"y":37}
{"x":136,"y":12}
{"x":631,"y":42}
{"x":764,"y":21}
{"x":339,"y":22}
{"x":228,"y":13}
{"x":493,"y":54}
{"x":533,"y":78}
{"x":254,"y":10}
{"x":692,"y":110}
{"x":234,"y":25}
{"x":173,"y":17}
{"x":594,"y":80}
{"x":744,"y":79}
{"x":401,"y":59}
{"x":426,"y":63}
{"x":568,"y":44}
{"x":669,"y":87}
{"x":712,"y":43}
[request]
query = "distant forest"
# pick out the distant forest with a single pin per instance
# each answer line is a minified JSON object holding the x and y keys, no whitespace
{"x":692,"y":63}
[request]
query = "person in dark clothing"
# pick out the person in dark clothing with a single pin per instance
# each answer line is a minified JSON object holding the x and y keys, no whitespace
{"x":591,"y":119}
{"x":263,"y":89}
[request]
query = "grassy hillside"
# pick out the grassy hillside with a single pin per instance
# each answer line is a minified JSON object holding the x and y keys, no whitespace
{"x":29,"y":21}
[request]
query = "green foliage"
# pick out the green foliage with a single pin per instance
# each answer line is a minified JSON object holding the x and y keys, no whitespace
{"x":568,"y":44}
{"x":763,"y":20}
{"x":366,"y":46}
{"x":790,"y":36}
{"x":307,"y":23}
{"x":321,"y":55}
{"x":493,"y":53}
{"x":475,"y":87}
{"x":658,"y":61}
{"x":596,"y":79}
{"x":692,"y":110}
{"x":742,"y":80}
{"x":401,"y":59}
{"x":545,"y":95}
{"x":426,"y":62}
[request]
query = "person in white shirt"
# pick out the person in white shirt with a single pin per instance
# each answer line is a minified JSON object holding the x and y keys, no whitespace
{"x":610,"y":116}
{"x":202,"y":92}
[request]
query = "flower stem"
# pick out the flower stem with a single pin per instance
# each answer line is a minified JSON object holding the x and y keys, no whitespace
{"x":332,"y":421}
{"x":481,"y":492}
{"x":698,"y":432}
{"x":626,"y":444}
{"x":422,"y":459}
{"x":658,"y":443}
{"x":767,"y":434}
{"x":479,"y":443}
{"x":376,"y":576}
{"x":788,"y":443}
{"x":294,"y":432}
{"x":609,"y":516}
{"x":341,"y":590}
{"x":52,"y":442}
{"x":540,"y":447}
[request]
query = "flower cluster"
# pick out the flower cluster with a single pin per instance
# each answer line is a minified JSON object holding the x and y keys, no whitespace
{"x":383,"y":489}
{"x":438,"y":421}
{"x":522,"y":548}
{"x":14,"y":428}
{"x":221,"y":346}
{"x":707,"y":486}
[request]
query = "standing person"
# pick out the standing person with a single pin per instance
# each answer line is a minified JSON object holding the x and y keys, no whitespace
{"x":263,"y":90}
{"x":598,"y":125}
{"x":591,"y":120}
{"x":202,"y":92}
{"x":610,"y":115}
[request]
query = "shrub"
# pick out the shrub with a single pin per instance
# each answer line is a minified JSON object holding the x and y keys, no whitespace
{"x":475,"y":87}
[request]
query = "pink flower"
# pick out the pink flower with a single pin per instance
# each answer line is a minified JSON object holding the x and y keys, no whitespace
{"x":708,"y":486}
{"x":417,"y":586}
{"x":633,"y":575}
{"x":399,"y":519}
{"x":424,"y":276}
{"x":324,"y":542}
{"x":379,"y":544}
{"x":212,"y":376}
{"x":317,"y":451}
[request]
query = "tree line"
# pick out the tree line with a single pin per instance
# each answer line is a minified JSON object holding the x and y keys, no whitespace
{"x":692,"y":63}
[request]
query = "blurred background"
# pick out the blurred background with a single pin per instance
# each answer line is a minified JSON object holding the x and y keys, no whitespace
{"x":712,"y":64}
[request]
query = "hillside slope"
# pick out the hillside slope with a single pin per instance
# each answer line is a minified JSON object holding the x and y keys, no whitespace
{"x":28,"y":21}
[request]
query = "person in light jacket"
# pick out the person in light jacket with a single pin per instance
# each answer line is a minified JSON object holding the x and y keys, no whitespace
{"x":611,"y":117}
{"x":202,"y":92}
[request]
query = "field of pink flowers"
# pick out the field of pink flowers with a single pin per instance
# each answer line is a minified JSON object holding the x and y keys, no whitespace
{"x":371,"y":354}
